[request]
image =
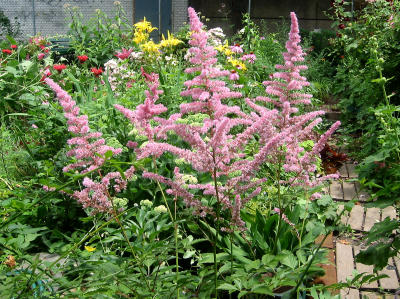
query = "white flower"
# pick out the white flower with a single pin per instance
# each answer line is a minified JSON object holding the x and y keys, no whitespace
{"x":160,"y":209}
{"x":146,"y":203}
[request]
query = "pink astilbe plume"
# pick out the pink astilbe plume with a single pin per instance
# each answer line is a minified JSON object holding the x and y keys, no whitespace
{"x":214,"y":151}
{"x":285,"y":89}
{"x":88,"y":149}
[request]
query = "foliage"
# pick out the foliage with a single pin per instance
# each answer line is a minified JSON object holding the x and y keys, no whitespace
{"x":149,"y":243}
{"x":368,"y":84}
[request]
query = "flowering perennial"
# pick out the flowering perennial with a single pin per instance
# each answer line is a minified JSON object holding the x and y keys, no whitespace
{"x":214,"y":149}
{"x":89,"y":150}
{"x":59,"y":67}
{"x":82,"y":58}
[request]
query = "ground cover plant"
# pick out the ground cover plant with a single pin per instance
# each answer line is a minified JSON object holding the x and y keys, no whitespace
{"x":153,"y":170}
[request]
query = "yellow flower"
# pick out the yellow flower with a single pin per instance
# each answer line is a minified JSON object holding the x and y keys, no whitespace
{"x":150,"y":47}
{"x":224,"y":49}
{"x":144,"y":26}
{"x":228,"y":52}
{"x":237,"y":63}
{"x":140,"y":37}
{"x":220,"y":48}
{"x":90,"y":248}
{"x":171,"y":41}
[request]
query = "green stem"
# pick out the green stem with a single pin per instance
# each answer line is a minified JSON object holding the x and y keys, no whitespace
{"x":231,"y":238}
{"x":176,"y":254}
{"x":304,"y":219}
{"x":278,"y":178}
{"x":173,"y":219}
{"x":310,"y":263}
{"x":116,"y":217}
{"x":218,"y":227}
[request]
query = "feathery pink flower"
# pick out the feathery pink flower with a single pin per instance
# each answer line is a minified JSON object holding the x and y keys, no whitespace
{"x":89,"y":151}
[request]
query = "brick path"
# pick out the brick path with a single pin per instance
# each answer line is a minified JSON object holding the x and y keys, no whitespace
{"x":360,"y":220}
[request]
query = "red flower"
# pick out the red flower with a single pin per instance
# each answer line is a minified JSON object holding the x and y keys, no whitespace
{"x":14,"y":46}
{"x":97,"y":72}
{"x":341,"y":57}
{"x":6,"y":51}
{"x":82,"y":58}
{"x":342,"y":26}
{"x":59,"y":67}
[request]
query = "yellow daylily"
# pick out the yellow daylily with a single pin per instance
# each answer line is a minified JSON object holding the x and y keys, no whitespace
{"x":144,"y":26}
{"x":90,"y":248}
{"x":224,"y":49}
{"x":171,"y":41}
{"x":150,"y":47}
{"x":237,"y":63}
{"x":140,"y":37}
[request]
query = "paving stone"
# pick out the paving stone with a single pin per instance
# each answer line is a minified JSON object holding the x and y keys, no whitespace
{"x":343,"y":171}
{"x":390,"y":283}
{"x":356,"y":217}
{"x":351,"y":170}
{"x":349,"y":191}
{"x":336,"y":190}
{"x":344,"y":261}
{"x":362,"y":195}
{"x":389,"y":212}
{"x":370,"y":295}
{"x":372,"y":216}
{"x":365,"y":268}
{"x":349,"y":294}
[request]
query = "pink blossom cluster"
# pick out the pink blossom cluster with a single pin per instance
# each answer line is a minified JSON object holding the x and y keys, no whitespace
{"x":214,"y":149}
{"x":285,"y":90}
{"x":88,"y":150}
{"x":250,"y":58}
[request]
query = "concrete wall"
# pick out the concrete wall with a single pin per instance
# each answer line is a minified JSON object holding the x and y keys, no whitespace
{"x":51,"y":16}
{"x":179,"y":14}
{"x":227,"y":13}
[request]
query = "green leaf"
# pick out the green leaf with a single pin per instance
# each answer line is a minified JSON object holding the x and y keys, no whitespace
{"x":287,"y":258}
{"x":262,"y":289}
{"x":12,"y":70}
{"x":189,"y":254}
{"x":252,"y":265}
{"x":108,"y":154}
{"x":227,"y":287}
{"x":377,"y":254}
{"x":26,"y":65}
{"x":382,"y":229}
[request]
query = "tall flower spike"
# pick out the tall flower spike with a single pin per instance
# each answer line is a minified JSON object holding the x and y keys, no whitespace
{"x":286,"y":91}
{"x":88,"y":149}
{"x":214,"y":151}
{"x":217,"y":147}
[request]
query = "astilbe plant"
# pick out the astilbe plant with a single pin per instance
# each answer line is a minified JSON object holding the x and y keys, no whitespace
{"x":89,"y":151}
{"x":213,"y":147}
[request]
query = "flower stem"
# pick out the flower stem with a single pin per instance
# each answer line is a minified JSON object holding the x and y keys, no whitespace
{"x":218,"y":226}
